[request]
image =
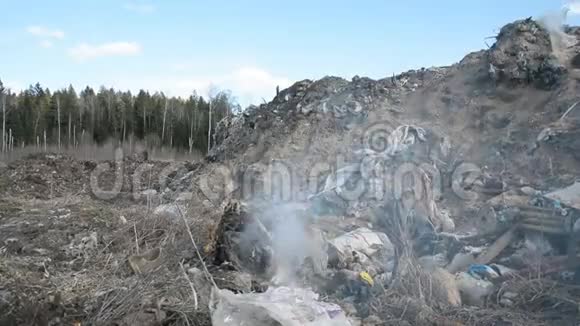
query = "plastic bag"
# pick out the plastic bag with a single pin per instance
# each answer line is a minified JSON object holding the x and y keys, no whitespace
{"x":277,"y":306}
{"x":362,"y":240}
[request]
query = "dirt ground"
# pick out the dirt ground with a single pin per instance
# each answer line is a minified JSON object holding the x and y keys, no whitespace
{"x":65,"y":250}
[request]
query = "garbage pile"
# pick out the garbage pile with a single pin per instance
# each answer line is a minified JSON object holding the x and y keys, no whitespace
{"x":347,"y":103}
{"x":467,"y":209}
{"x":524,"y":53}
{"x":406,"y":249}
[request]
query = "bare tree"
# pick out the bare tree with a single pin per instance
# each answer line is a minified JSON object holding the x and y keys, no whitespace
{"x":69,"y":128}
{"x":37,"y":121}
{"x":191,"y":119}
{"x":144,"y":122}
{"x":209,"y":129}
{"x":164,"y":117}
{"x":58,"y":118}
{"x":4,"y":140}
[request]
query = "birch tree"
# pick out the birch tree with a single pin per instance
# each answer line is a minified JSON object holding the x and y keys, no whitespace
{"x":164,"y":120}
{"x":2,"y":93}
{"x":58,"y":118}
{"x":209,"y":128}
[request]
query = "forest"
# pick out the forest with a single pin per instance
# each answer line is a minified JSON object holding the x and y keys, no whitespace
{"x":64,"y":118}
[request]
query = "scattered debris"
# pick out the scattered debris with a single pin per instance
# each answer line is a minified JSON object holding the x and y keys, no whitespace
{"x":569,"y":196}
{"x":359,"y":243}
{"x":496,"y":248}
{"x":474,"y":290}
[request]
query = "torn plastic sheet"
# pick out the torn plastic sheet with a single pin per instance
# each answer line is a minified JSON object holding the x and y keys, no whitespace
{"x":362,"y":240}
{"x":277,"y":306}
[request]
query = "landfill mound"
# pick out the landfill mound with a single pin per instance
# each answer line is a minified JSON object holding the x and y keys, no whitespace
{"x":440,"y":196}
{"x":487,"y":143}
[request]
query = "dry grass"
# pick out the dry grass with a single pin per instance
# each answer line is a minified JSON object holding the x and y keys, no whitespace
{"x":102,"y":289}
{"x":165,"y":289}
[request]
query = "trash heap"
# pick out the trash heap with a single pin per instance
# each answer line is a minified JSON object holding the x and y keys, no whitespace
{"x":372,"y":265}
{"x":440,"y":242}
{"x":524,"y":53}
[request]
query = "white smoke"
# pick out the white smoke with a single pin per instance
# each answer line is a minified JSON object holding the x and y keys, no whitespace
{"x":554,"y":22}
{"x":573,"y":8}
{"x":293,"y":241}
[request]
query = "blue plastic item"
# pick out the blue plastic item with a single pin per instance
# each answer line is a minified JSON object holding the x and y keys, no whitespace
{"x":482,"y":271}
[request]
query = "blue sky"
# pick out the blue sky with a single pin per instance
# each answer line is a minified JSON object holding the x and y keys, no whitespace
{"x":247,"y":46}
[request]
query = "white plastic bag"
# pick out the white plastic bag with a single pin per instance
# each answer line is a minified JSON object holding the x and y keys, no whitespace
{"x":362,"y":240}
{"x":277,"y":306}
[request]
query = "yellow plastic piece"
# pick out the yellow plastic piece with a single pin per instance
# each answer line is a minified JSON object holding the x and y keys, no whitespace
{"x":367,"y":278}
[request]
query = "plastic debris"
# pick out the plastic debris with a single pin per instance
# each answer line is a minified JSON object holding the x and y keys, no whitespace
{"x":485,"y":272}
{"x":362,"y":241}
{"x":367,"y":278}
{"x":277,"y":306}
{"x":569,"y":196}
{"x":473,"y":290}
{"x":403,"y":137}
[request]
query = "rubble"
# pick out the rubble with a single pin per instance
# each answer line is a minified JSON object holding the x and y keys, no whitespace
{"x":524,"y":53}
{"x":561,"y":135}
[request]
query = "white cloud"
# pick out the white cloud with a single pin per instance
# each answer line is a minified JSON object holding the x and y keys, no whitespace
{"x":45,"y":44}
{"x":44,"y":32}
{"x":14,"y":86}
{"x":140,"y":8}
{"x":83,"y":51}
{"x":249,"y":84}
{"x":250,"y":79}
{"x":181,"y":66}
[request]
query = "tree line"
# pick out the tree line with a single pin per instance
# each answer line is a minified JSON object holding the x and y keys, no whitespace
{"x":38,"y":117}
